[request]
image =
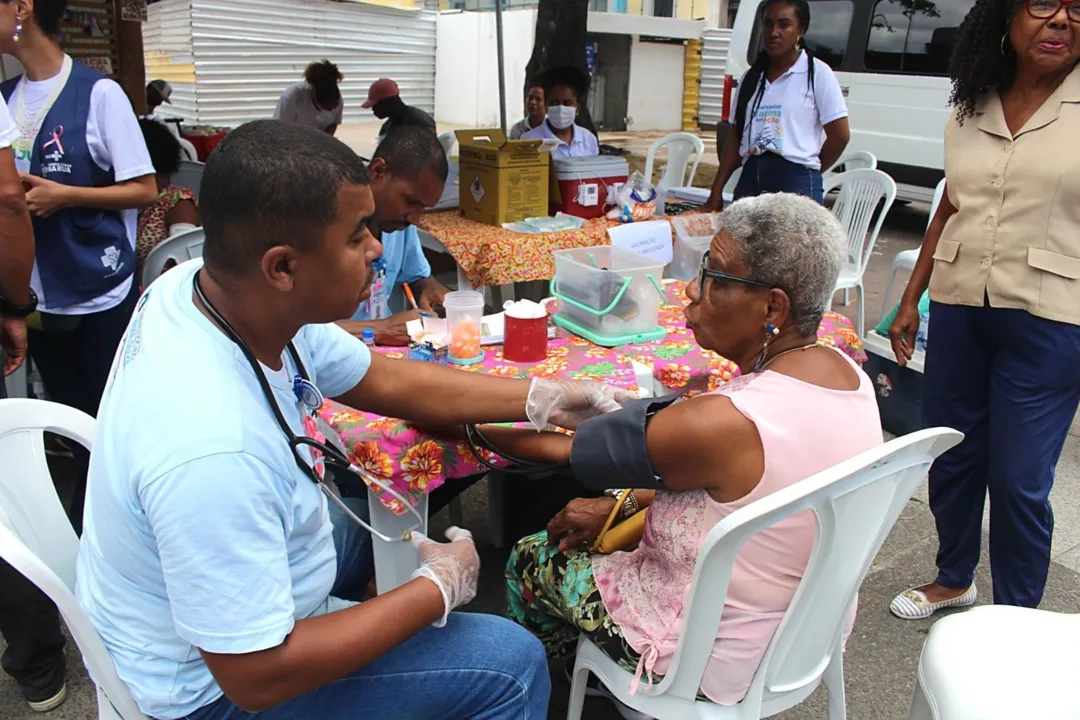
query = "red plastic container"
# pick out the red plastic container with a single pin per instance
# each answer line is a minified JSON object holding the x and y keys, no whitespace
{"x":525,"y":341}
{"x":587,"y":184}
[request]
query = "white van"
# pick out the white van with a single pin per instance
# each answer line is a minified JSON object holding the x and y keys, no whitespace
{"x":891,"y":58}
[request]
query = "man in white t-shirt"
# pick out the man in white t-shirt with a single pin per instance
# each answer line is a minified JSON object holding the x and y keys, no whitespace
{"x":208,"y":562}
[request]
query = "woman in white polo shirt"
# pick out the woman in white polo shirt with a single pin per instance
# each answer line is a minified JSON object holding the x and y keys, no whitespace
{"x":786,"y":101}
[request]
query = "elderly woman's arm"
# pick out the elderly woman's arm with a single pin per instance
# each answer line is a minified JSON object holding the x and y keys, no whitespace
{"x":906,"y":324}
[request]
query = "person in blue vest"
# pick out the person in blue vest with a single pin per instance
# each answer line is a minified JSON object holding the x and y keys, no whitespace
{"x":86,"y":171}
{"x":408,"y":173}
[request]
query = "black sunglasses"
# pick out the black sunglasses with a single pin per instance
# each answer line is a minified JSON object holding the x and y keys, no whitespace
{"x":704,"y":273}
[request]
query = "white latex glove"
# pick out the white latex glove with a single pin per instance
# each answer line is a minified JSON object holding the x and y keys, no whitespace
{"x":566,"y":403}
{"x":454,"y":567}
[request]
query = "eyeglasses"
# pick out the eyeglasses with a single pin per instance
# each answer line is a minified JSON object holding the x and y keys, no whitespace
{"x":1046,"y":9}
{"x":705,"y":273}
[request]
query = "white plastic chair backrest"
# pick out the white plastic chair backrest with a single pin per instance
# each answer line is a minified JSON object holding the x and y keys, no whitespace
{"x":679,"y":148}
{"x":36,"y":537}
{"x":939,"y":192}
{"x":861,"y":192}
{"x":732,"y":183}
{"x":189,"y":175}
{"x":853,"y":160}
{"x":188,"y":150}
{"x":180,"y":248}
{"x":855,"y":504}
{"x":448,"y":140}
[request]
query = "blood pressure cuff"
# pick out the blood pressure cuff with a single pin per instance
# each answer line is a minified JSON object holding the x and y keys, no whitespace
{"x":609,"y":450}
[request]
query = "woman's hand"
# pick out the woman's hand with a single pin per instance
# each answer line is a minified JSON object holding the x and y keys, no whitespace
{"x":580,"y":521}
{"x":43,"y":197}
{"x":903,"y":330}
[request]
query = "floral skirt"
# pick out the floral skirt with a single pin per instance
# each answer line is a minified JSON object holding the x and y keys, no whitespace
{"x":553,"y":595}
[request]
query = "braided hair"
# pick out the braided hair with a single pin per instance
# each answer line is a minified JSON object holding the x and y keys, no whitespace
{"x":755,"y":77}
{"x":981,"y":59}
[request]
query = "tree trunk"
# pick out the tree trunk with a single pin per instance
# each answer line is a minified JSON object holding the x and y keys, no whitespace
{"x":561,"y":28}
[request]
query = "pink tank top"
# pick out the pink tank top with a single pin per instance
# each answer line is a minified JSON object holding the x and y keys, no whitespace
{"x":804,"y":429}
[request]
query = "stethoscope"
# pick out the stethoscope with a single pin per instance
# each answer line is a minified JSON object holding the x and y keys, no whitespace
{"x":311,"y":399}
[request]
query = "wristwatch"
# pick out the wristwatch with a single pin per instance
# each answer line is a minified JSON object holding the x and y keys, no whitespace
{"x":20,"y":311}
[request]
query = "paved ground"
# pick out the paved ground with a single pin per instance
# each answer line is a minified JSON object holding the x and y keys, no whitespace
{"x":883,"y":652}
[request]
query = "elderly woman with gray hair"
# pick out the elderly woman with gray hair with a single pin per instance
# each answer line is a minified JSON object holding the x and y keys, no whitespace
{"x":798,"y":408}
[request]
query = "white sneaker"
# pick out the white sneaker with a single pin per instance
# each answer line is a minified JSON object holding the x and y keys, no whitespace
{"x":912,"y":604}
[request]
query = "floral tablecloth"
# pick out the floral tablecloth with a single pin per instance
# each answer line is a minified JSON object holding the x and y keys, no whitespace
{"x":491,"y":255}
{"x":414,"y":463}
{"x":678,"y":359}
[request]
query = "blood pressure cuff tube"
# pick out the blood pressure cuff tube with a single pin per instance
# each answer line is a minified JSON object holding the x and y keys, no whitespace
{"x":609,"y":450}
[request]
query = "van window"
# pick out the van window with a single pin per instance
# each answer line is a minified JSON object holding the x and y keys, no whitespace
{"x":830,"y":24}
{"x":914,"y":37}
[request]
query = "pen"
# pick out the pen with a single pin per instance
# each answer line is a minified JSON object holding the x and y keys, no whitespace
{"x":410,"y":296}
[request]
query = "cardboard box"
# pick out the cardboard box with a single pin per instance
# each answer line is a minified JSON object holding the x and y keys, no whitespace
{"x":501,"y":180}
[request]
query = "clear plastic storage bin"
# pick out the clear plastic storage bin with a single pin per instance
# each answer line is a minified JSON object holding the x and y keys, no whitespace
{"x":607,"y":294}
{"x":693,"y":233}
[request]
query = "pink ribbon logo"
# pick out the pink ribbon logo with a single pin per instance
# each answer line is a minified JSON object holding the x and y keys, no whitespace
{"x":57,"y":133}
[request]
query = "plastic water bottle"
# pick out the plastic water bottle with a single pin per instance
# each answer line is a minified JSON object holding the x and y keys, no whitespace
{"x":661,"y":200}
{"x":924,"y":330}
{"x":368,"y":337}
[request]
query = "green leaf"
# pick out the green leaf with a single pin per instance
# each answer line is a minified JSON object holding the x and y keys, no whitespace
{"x":671,"y":352}
{"x":600,"y":369}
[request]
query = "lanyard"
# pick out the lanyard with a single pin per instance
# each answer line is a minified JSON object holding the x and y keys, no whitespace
{"x":29,"y":127}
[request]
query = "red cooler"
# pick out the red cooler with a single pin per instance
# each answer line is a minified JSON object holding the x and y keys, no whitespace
{"x":585,"y":184}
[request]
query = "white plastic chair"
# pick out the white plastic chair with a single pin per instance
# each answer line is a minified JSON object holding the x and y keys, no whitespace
{"x":188,"y":150}
{"x":37,"y":539}
{"x":856,"y":504}
{"x":448,"y":140}
{"x":189,"y":175}
{"x":852,"y":160}
{"x":997,"y":662}
{"x":679,"y":148}
{"x":179,"y":248}
{"x":732,"y":183}
{"x":861,"y":193}
{"x":905,"y":259}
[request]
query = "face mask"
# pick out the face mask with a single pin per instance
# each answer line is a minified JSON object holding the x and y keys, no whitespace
{"x":561,"y":116}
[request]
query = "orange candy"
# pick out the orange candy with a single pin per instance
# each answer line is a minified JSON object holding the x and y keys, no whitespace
{"x":465,"y":341}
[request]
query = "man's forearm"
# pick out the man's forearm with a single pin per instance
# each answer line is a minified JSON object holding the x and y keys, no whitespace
{"x":326,"y":648}
{"x":16,"y":248}
{"x":431,"y":394}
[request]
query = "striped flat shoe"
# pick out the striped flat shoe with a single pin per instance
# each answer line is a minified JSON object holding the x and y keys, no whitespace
{"x":913,"y":605}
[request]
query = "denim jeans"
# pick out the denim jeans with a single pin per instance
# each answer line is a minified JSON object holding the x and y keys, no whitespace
{"x":770,"y":173}
{"x":477,"y":666}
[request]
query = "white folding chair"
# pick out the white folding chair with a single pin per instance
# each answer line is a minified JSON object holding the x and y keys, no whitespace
{"x":179,"y":248}
{"x":856,"y":504}
{"x":852,"y":160}
{"x":679,"y":148}
{"x":861,"y":194}
{"x":448,"y":140}
{"x":188,"y":150}
{"x":37,"y":539}
{"x":732,"y":183}
{"x":905,"y":259}
{"x":189,"y":176}
{"x":997,"y":662}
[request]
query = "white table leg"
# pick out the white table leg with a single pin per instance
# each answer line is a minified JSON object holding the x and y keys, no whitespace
{"x":396,"y":561}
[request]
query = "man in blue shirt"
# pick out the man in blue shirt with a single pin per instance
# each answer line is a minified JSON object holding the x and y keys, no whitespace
{"x":407,"y":174}
{"x":209,"y":563}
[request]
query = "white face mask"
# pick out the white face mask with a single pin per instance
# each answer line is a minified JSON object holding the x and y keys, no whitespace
{"x":561,"y":116}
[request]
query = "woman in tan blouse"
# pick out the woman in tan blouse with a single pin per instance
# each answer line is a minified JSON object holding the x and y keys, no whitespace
{"x":1002,"y":259}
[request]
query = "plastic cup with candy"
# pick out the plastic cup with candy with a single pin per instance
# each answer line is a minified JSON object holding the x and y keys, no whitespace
{"x":464,"y":313}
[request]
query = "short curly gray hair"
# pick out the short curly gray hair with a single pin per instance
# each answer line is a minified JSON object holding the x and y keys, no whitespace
{"x":791,"y":243}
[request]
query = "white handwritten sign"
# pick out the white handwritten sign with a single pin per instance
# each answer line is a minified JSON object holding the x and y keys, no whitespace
{"x":651,"y":239}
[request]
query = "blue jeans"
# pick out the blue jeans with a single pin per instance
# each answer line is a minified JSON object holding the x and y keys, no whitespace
{"x":478,"y":666}
{"x":770,"y":173}
{"x":1010,"y":382}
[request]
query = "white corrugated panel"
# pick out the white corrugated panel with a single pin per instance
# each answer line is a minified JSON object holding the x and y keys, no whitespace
{"x":248,"y":51}
{"x":714,"y":53}
{"x":168,"y":55}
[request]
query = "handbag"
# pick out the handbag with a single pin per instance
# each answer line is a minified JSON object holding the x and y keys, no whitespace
{"x":620,"y":536}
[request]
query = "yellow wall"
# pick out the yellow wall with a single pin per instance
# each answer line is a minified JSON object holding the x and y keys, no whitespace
{"x":691,"y":9}
{"x":160,"y":66}
{"x":691,"y":85}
